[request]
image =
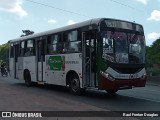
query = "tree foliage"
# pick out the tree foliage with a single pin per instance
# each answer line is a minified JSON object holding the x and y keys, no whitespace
{"x":26,"y":33}
{"x":4,"y":53}
{"x":153,"y":53}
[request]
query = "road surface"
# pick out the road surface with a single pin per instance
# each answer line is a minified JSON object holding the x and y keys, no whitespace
{"x":15,"y":96}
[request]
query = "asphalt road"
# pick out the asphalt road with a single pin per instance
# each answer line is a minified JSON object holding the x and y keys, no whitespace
{"x":15,"y":96}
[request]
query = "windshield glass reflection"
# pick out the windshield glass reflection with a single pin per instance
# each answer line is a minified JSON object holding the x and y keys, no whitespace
{"x":108,"y":48}
{"x":121,"y":47}
{"x":136,"y":48}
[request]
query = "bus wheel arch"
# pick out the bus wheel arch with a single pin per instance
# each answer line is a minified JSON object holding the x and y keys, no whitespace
{"x":27,"y":77}
{"x":72,"y":79}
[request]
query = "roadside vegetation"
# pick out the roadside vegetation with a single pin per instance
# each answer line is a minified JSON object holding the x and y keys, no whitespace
{"x":153,"y":59}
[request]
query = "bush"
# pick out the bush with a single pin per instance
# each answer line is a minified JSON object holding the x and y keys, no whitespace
{"x":153,"y":72}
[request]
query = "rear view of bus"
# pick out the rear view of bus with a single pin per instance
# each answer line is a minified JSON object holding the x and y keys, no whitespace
{"x":121,"y":61}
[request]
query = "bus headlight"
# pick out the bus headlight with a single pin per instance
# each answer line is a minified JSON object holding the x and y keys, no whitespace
{"x":143,"y":76}
{"x":107,"y":75}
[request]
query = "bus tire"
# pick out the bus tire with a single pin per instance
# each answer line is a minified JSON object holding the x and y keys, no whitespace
{"x":74,"y":85}
{"x":27,"y":78}
{"x":111,"y":91}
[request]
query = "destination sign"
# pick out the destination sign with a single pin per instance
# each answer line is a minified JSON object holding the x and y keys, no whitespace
{"x":124,"y":25}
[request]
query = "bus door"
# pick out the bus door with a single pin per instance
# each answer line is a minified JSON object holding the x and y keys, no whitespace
{"x":40,"y":55}
{"x":15,"y":65}
{"x":89,"y":58}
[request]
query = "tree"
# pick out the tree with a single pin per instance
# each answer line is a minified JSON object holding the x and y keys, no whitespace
{"x":153,"y":58}
{"x":4,"y":53}
{"x":4,"y":49}
{"x":153,"y":53}
{"x":27,"y":32}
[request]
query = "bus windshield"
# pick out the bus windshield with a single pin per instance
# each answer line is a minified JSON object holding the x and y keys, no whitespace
{"x":123,"y":47}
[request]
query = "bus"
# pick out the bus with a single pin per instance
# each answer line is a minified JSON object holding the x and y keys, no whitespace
{"x":102,"y":53}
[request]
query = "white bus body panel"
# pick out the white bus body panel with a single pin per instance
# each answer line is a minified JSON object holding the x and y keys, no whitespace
{"x":27,"y":63}
{"x":51,"y":75}
{"x":57,"y":67}
{"x":13,"y":68}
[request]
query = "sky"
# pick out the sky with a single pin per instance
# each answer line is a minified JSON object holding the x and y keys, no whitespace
{"x":43,"y":15}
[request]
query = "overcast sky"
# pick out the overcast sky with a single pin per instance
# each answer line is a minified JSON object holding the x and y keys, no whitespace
{"x":18,"y":15}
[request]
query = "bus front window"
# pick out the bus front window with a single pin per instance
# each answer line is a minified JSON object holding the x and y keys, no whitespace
{"x":122,"y":47}
{"x":137,"y":48}
{"x":108,"y":49}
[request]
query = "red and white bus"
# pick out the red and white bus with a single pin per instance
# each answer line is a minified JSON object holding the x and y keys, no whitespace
{"x":103,"y":53}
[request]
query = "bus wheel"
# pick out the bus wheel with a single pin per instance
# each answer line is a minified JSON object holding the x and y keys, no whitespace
{"x":111,"y":91}
{"x":74,"y":85}
{"x":27,"y":79}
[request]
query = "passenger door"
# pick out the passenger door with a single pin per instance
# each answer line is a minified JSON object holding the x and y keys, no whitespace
{"x":40,"y":55}
{"x":89,"y":58}
{"x":15,"y":65}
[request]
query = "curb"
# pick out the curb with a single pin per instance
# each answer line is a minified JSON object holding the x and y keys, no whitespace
{"x":153,"y":84}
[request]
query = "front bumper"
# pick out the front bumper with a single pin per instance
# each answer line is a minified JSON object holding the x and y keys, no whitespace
{"x":118,"y":84}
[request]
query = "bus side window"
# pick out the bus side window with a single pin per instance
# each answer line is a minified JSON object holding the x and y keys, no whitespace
{"x":65,"y":42}
{"x":48,"y":44}
{"x":74,"y":45}
{"x":29,"y":48}
{"x":52,"y":44}
{"x":22,"y":48}
{"x":59,"y":47}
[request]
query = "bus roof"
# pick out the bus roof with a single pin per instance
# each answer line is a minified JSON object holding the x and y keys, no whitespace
{"x":95,"y":21}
